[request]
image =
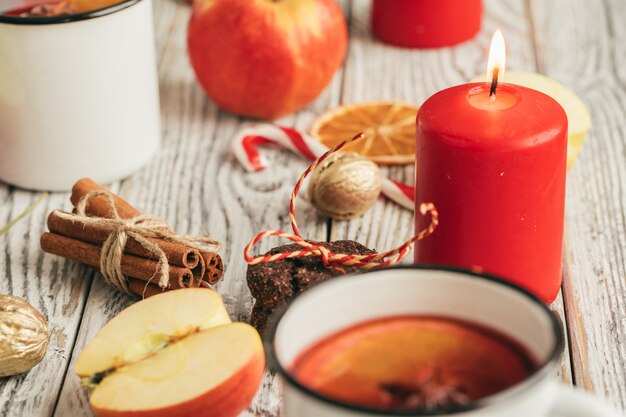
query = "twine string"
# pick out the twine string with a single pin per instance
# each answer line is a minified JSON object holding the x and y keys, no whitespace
{"x":328,"y":258}
{"x":141,"y":228}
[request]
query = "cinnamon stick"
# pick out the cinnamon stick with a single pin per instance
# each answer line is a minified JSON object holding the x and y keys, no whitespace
{"x":199,"y":271}
{"x":214,"y":267}
{"x":143,"y":289}
{"x":99,"y":207}
{"x":177,"y":254}
{"x":132,"y":266}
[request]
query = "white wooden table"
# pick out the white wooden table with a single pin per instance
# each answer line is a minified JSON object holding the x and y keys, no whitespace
{"x":197,"y":186}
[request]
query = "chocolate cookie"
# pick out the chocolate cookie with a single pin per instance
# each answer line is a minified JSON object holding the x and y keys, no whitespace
{"x":272,"y":283}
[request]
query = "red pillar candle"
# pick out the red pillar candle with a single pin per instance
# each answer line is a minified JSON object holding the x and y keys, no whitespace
{"x":426,"y":23}
{"x":494,"y":166}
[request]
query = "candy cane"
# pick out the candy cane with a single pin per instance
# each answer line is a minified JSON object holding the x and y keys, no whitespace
{"x":330,"y":259}
{"x":245,"y":145}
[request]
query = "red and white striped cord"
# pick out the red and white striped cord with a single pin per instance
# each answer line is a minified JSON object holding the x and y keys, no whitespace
{"x":245,"y":147}
{"x":330,"y":259}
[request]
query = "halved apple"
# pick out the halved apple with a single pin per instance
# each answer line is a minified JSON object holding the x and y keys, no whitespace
{"x":174,"y":354}
{"x":578,"y":117}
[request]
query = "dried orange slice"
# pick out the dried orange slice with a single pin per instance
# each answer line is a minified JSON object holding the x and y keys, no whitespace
{"x":389,"y":130}
{"x":82,"y":6}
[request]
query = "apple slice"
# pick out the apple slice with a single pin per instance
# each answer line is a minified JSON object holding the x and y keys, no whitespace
{"x":150,"y":325}
{"x":174,"y":354}
{"x":213,"y":373}
{"x":578,"y":117}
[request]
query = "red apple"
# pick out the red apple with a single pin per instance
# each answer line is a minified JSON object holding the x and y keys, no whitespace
{"x":266,"y":58}
{"x":173,"y":355}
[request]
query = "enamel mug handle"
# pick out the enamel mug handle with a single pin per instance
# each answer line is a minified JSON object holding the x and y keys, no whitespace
{"x":572,"y":402}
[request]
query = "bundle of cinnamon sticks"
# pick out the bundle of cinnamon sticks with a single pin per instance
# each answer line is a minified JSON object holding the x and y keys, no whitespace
{"x":189,"y":266}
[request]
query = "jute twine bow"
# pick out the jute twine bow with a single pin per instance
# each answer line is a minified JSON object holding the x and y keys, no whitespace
{"x":330,"y":259}
{"x":140,"y":228}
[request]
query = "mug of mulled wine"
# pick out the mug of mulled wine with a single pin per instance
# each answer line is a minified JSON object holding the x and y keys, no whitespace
{"x":421,"y":341}
{"x":78,"y":91}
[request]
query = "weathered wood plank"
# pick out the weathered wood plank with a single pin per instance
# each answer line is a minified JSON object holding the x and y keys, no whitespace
{"x":55,"y":287}
{"x":198,"y":187}
{"x":580,"y":43}
{"x":412,"y":76}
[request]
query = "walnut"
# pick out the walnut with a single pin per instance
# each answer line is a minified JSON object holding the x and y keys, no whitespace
{"x":23,"y":335}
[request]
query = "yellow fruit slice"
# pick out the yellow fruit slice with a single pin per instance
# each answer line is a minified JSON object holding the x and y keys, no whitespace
{"x":389,"y":130}
{"x":83,"y":6}
{"x":150,"y":325}
{"x":578,"y":117}
{"x":176,"y":354}
{"x":198,"y":369}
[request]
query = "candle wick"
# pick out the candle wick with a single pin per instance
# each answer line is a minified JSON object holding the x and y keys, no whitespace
{"x":494,"y":82}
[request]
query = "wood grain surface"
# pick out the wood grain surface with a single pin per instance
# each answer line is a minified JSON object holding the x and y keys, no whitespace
{"x":197,"y":186}
{"x":591,"y":62}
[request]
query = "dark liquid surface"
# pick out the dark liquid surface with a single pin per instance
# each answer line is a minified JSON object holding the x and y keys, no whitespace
{"x":413,"y":362}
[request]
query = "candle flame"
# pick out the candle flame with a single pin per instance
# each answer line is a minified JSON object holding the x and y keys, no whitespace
{"x":497,"y":56}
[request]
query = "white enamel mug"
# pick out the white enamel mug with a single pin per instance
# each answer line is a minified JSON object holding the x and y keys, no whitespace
{"x":343,"y":302}
{"x":78,"y":96}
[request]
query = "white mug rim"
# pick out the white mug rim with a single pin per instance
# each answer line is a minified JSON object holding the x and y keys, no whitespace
{"x":68,"y":18}
{"x":543,"y":370}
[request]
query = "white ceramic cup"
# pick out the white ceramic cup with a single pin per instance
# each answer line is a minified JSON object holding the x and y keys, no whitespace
{"x":78,"y":96}
{"x":340,"y":303}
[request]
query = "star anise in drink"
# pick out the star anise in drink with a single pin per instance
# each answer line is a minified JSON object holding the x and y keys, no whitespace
{"x":428,"y":392}
{"x":53,"y":9}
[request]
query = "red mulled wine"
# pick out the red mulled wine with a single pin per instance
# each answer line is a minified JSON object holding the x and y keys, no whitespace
{"x":413,"y":362}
